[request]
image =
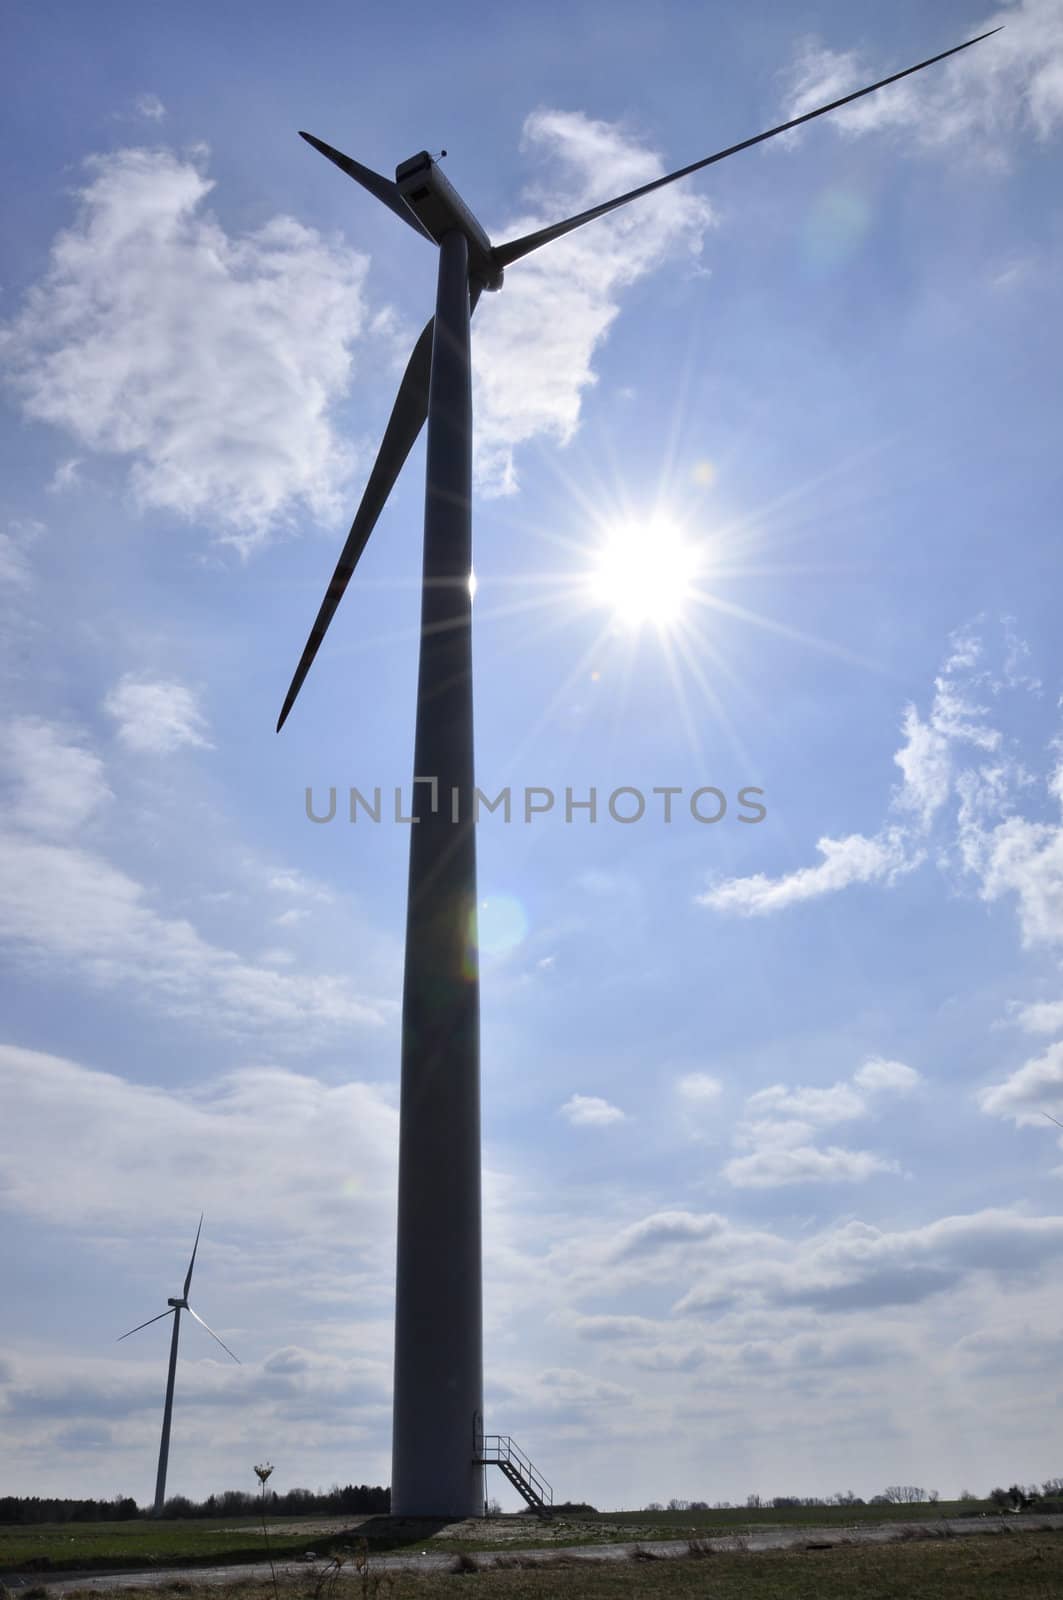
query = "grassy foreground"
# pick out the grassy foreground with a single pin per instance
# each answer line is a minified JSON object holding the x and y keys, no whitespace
{"x":1021,"y":1567}
{"x":76,"y":1546}
{"x":143,"y":1542}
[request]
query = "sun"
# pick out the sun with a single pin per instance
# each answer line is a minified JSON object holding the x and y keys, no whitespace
{"x":644,"y":573}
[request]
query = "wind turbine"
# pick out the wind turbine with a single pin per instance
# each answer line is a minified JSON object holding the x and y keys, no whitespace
{"x":176,"y":1306}
{"x":437,"y":1445}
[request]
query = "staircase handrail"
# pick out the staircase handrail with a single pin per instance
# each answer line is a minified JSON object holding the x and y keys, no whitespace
{"x":500,"y":1447}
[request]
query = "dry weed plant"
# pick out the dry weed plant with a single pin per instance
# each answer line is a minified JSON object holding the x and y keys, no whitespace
{"x":371,"y":1583}
{"x":262,"y":1473}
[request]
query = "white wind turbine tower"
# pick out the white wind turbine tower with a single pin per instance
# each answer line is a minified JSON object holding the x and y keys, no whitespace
{"x":176,"y":1306}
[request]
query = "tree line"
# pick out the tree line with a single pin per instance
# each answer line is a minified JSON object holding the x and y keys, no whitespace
{"x":31,"y":1509}
{"x":362,"y":1497}
{"x":1046,"y":1496}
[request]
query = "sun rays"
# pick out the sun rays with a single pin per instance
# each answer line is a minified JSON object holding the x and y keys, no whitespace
{"x":673,"y":583}
{"x":614,"y":586}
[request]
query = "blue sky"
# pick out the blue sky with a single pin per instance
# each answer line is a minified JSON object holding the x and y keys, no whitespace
{"x":771,"y":1205}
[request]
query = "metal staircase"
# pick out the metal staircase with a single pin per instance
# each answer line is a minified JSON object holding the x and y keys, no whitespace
{"x":497,"y":1450}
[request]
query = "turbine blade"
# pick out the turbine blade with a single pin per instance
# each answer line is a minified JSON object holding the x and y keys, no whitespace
{"x":191,"y":1264}
{"x":383,"y":188}
{"x":405,"y":423}
{"x":147,"y":1324}
{"x":506,"y":254}
{"x":213,"y":1335}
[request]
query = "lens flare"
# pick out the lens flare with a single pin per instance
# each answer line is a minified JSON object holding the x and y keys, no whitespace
{"x":503,"y":923}
{"x":834,"y":231}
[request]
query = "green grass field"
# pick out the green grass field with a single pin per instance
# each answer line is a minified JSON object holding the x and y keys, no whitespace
{"x":83,"y":1545}
{"x":111,"y":1546}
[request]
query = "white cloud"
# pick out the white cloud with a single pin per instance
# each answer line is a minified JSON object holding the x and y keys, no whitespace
{"x":780,"y":1128}
{"x":73,"y":908}
{"x":778,"y":1164}
{"x":994,"y":92}
{"x":67,"y":475}
{"x":15,"y":569}
{"x":254,"y":1143}
{"x":877,"y":1073}
{"x":209,"y":361}
{"x":288,"y":881}
{"x":839,"y":1103}
{"x":535,"y":342}
{"x":276,"y":956}
{"x":150,"y":107}
{"x":925,"y":759}
{"x":589,"y":1111}
{"x":854,"y":859}
{"x":1026,"y":859}
{"x":57,"y":786}
{"x":667,"y":1356}
{"x":607,"y":1329}
{"x":63,"y":903}
{"x":770,"y":1283}
{"x":788,"y":1132}
{"x":1035,"y":1087}
{"x":956,"y":755}
{"x":699,"y":1088}
{"x":928,"y":758}
{"x":289,"y":919}
{"x":155,"y":715}
{"x":564,"y":1390}
{"x":1045,"y":1016}
{"x":665,"y":1229}
{"x":856,"y":1267}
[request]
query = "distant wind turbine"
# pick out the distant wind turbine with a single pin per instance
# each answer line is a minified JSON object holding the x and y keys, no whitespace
{"x":437,"y":1442}
{"x":176,"y":1307}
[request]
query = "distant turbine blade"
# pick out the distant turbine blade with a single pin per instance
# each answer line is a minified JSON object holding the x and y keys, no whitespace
{"x":213,"y":1335}
{"x":1051,"y":1118}
{"x":383,"y":188}
{"x":191,"y":1264}
{"x":506,"y":254}
{"x":147,"y":1324}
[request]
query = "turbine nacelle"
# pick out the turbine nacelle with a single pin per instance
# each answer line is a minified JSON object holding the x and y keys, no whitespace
{"x":439,"y":208}
{"x":180,"y":1304}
